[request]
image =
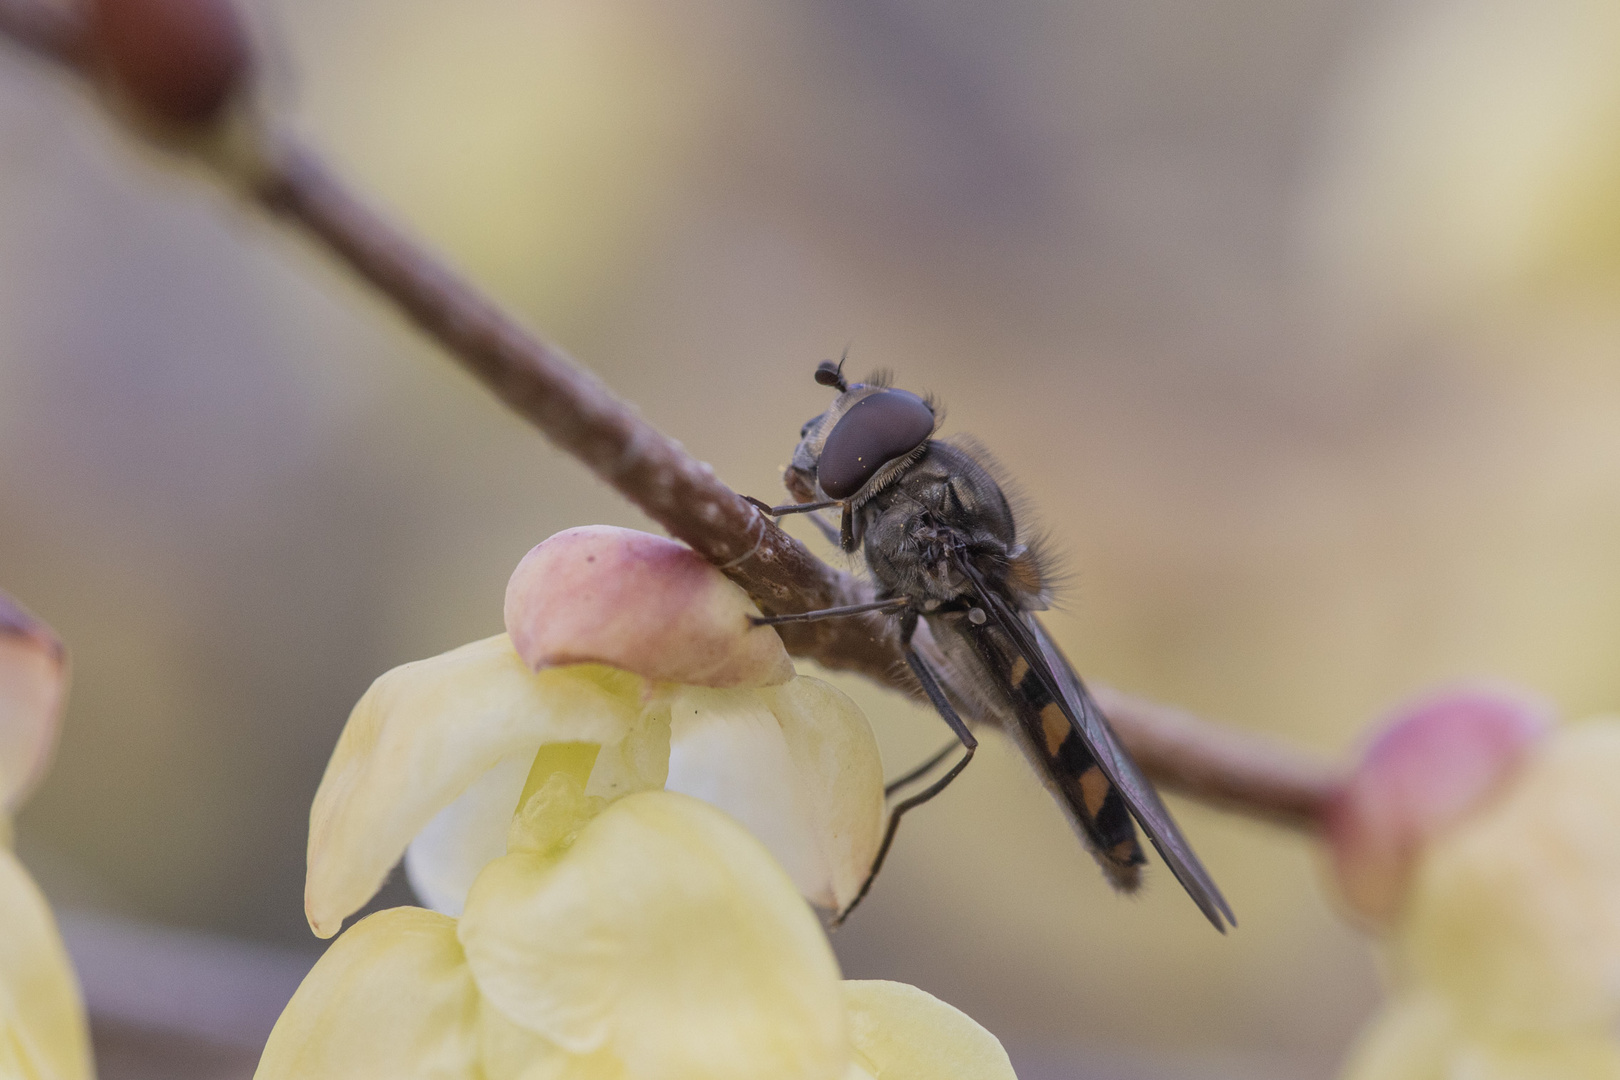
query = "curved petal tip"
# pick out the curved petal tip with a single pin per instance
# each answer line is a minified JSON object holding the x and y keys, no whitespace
{"x":599,"y":594}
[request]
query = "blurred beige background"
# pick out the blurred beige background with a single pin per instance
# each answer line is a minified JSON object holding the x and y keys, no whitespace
{"x":1296,"y":321}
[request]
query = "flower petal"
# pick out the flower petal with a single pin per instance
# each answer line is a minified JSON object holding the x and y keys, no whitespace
{"x":420,"y":736}
{"x":1430,"y":766}
{"x":510,"y":1052}
{"x":1417,"y":1037}
{"x":1513,"y":916}
{"x":33,"y":683}
{"x":391,"y":999}
{"x":798,"y":766}
{"x":450,"y":851}
{"x":666,"y":934}
{"x":42,"y":1028}
{"x":642,"y":603}
{"x":903,"y":1033}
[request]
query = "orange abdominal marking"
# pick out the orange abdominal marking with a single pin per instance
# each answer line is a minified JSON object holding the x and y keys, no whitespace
{"x":1020,"y":668}
{"x":1094,"y":788}
{"x":1055,"y":726}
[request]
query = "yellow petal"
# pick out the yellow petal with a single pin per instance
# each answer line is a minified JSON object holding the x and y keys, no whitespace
{"x":903,"y":1033}
{"x":420,"y":736}
{"x":42,"y":1029}
{"x":33,"y":682}
{"x":798,"y":766}
{"x":1513,"y":916}
{"x":391,"y":999}
{"x":640,"y":760}
{"x":600,"y":594}
{"x":510,"y":1052}
{"x":666,"y":935}
{"x":1418,"y":1037}
{"x":447,"y":855}
{"x":451,"y":849}
{"x":1412,"y":1038}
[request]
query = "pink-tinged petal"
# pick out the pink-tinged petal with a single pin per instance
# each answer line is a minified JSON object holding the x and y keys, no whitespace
{"x":1433,"y":763}
{"x":33,"y":685}
{"x":600,"y":594}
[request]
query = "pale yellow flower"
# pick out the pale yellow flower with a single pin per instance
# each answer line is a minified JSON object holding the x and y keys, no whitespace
{"x":697,"y":699}
{"x":645,"y":938}
{"x":43,"y":1035}
{"x":594,"y":922}
{"x":1502,"y":936}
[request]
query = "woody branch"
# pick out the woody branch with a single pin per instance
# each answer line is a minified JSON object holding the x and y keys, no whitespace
{"x":179,"y":73}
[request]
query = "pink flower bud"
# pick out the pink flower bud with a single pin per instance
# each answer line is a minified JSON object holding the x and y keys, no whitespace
{"x":635,"y":601}
{"x":33,"y":684}
{"x":178,"y":61}
{"x":1433,"y":763}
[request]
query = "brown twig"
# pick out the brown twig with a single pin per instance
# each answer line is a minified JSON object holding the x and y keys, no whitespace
{"x":50,"y":32}
{"x":578,"y":413}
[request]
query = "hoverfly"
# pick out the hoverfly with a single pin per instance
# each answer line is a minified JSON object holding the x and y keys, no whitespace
{"x":941,"y":544}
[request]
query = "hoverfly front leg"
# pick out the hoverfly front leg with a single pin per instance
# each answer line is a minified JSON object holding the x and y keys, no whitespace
{"x":808,"y":509}
{"x":789,"y":508}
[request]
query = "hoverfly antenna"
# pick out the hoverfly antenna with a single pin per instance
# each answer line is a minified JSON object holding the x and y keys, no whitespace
{"x":831,"y":374}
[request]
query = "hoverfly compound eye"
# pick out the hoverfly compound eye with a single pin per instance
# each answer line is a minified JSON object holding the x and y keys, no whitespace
{"x":875,"y":431}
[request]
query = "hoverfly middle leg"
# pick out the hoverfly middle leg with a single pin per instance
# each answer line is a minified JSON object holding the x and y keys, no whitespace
{"x":894,"y":604}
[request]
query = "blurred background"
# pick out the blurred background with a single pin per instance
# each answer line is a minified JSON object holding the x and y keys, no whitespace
{"x":1297,"y":322}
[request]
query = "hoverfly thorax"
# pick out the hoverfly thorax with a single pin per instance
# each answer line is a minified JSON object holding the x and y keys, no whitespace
{"x":862,"y":443}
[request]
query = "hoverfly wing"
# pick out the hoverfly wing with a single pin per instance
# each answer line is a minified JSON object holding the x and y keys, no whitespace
{"x":1098,"y":747}
{"x":1137,"y":791}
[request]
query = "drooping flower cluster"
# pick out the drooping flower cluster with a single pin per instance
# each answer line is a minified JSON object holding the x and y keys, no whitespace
{"x":1481,"y":843}
{"x":43,"y":1035}
{"x":619,"y":809}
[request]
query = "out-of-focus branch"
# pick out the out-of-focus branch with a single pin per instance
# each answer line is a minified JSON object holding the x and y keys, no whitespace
{"x":45,"y":29}
{"x":193,"y":99}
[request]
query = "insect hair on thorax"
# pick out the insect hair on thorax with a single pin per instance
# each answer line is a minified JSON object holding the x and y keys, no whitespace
{"x":1038,"y":571}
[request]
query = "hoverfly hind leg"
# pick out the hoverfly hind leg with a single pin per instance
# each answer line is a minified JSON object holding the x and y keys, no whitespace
{"x":919,"y":772}
{"x":930,"y":685}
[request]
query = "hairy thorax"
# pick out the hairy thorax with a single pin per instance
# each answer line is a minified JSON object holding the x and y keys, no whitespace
{"x":943,"y":502}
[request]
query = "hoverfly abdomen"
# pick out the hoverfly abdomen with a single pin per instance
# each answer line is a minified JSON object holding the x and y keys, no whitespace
{"x":1066,"y":765}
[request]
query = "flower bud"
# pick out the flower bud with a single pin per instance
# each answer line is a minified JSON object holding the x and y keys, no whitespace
{"x":177,"y":61}
{"x":639,"y":602}
{"x":1434,"y":763}
{"x":33,"y":682}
